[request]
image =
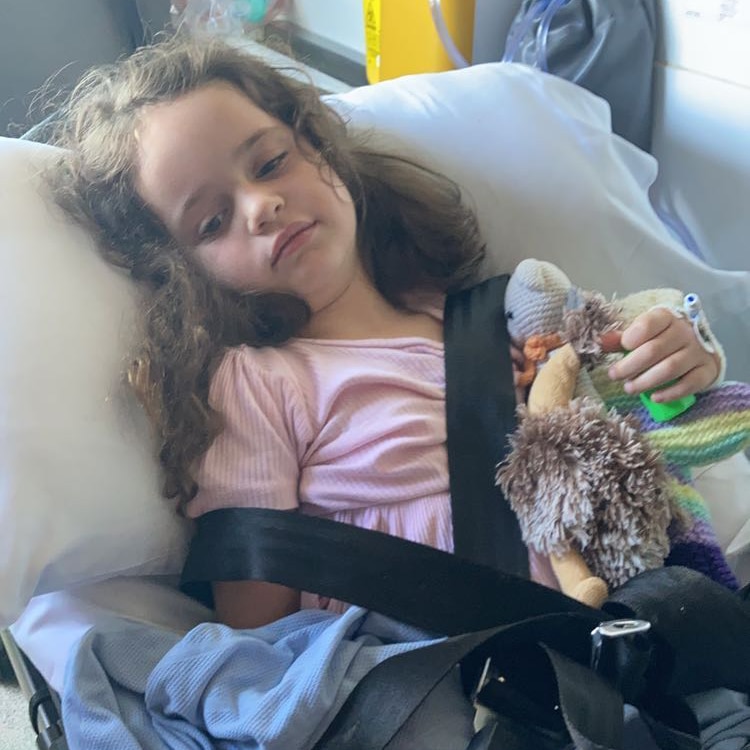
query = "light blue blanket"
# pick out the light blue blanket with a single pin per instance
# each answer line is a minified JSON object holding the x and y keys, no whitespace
{"x":131,"y":686}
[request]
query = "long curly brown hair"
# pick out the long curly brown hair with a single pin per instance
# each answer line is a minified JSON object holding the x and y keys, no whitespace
{"x":413,"y":231}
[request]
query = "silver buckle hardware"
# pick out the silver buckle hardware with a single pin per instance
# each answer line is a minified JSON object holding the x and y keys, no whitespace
{"x":620,"y":652}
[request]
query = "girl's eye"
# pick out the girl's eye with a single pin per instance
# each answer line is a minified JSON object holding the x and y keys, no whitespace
{"x":212,"y":226}
{"x":272,"y":165}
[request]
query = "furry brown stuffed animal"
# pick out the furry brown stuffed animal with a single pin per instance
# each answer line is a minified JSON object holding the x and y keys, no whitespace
{"x":564,"y":474}
{"x":588,"y":489}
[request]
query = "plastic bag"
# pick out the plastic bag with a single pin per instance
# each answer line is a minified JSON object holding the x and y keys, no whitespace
{"x":225,"y":16}
{"x":606,"y":46}
{"x":609,"y":48}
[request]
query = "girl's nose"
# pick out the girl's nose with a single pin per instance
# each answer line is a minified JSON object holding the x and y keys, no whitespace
{"x":261,"y":208}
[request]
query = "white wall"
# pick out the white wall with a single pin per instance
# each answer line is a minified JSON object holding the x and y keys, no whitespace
{"x":701,"y":133}
{"x":340,"y":21}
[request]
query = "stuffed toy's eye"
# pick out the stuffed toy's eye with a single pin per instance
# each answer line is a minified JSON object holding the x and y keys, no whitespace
{"x":509,"y":315}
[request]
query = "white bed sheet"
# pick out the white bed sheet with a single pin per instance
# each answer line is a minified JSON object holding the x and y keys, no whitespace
{"x":726,"y":488}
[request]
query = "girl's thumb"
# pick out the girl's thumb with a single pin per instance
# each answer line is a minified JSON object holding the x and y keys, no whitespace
{"x":611,"y":341}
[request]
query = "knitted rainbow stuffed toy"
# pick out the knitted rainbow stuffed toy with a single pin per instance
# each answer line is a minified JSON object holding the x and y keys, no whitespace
{"x":611,"y":540}
{"x":716,"y":427}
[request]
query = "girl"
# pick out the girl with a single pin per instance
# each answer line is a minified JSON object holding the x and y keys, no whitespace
{"x":293,"y":353}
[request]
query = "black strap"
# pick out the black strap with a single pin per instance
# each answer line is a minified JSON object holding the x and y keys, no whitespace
{"x":701,"y":630}
{"x":480,"y":413}
{"x":411,"y":582}
{"x":393,"y":692}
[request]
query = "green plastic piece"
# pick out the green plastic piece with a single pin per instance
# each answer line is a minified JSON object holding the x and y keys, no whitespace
{"x":666,"y":411}
{"x":663,"y":412}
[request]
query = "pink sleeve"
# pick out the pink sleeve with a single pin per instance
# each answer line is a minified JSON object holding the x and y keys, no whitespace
{"x":254,"y":461}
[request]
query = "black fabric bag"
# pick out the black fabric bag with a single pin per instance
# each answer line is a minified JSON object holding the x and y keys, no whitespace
{"x":547,"y":671}
{"x":606,"y":46}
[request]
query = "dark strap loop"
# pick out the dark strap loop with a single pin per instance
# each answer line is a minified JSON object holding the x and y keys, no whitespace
{"x":701,"y":629}
{"x":40,"y":698}
{"x":395,"y":689}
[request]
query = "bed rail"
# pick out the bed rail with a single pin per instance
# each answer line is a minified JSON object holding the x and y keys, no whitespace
{"x":44,"y":708}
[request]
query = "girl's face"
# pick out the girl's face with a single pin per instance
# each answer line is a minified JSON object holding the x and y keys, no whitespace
{"x":230,"y":181}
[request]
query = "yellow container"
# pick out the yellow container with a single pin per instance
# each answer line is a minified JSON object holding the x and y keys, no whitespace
{"x":401,"y":37}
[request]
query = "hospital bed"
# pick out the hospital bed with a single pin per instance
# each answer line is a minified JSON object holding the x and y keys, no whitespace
{"x":84,"y":534}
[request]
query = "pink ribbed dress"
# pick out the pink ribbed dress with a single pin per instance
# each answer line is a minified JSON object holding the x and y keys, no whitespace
{"x":349,"y":430}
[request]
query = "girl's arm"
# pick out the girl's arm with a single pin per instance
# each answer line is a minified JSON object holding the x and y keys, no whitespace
{"x":254,"y":462}
{"x":251,"y":604}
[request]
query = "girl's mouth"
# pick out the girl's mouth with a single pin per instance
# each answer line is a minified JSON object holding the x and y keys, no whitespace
{"x":291,"y":239}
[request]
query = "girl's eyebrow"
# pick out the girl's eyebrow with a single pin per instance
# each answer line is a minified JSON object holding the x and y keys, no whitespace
{"x":244,"y":147}
{"x":248,"y":143}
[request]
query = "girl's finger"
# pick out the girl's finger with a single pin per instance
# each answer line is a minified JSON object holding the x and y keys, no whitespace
{"x":691,"y":382}
{"x":611,"y":341}
{"x":646,"y":327}
{"x":645,"y":357}
{"x":672,"y":367}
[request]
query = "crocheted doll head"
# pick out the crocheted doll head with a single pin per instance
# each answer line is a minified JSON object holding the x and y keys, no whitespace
{"x":544,"y":309}
{"x":535,"y":299}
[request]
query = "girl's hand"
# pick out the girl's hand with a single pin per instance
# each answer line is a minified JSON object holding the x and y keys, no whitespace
{"x":664,"y":348}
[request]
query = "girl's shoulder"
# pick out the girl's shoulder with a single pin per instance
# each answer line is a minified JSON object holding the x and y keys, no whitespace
{"x":301,"y":373}
{"x":258,"y":373}
{"x":311,"y":375}
{"x":255,"y":362}
{"x":249,"y":363}
{"x":295,"y":362}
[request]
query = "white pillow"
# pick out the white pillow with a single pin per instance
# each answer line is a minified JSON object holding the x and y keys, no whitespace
{"x":727,"y":486}
{"x":79,"y":488}
{"x":79,"y":494}
{"x":536,"y":157}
